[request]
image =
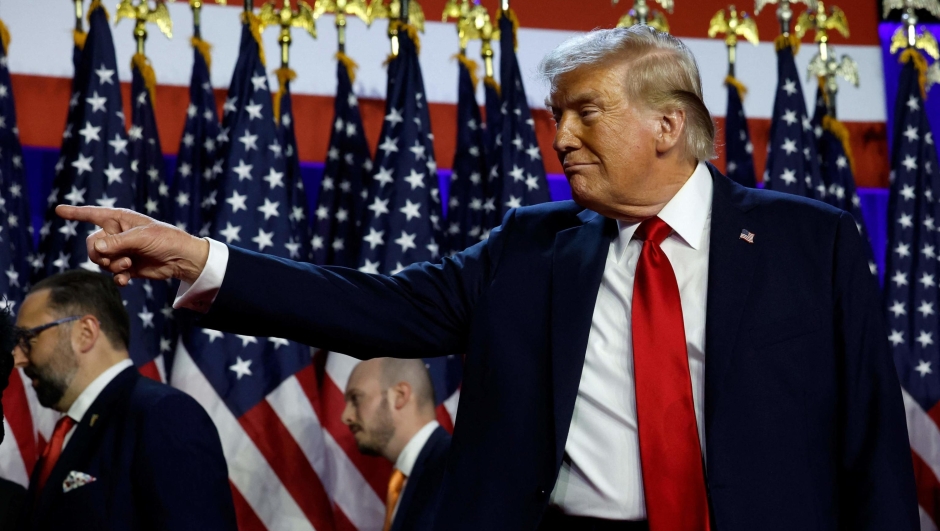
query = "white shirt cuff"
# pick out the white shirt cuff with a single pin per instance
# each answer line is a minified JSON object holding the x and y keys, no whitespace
{"x":200,"y":295}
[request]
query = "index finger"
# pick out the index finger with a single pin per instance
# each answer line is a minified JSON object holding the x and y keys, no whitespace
{"x":109,"y":219}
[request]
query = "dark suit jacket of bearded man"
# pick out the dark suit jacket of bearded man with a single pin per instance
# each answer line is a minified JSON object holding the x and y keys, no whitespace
{"x":804,"y":421}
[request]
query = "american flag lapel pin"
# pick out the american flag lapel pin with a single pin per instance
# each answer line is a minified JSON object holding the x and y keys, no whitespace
{"x":747,"y":236}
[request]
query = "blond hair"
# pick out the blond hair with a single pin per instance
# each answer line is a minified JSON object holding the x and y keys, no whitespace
{"x":663,"y":75}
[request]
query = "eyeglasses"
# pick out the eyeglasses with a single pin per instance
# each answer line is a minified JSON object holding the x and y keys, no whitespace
{"x":24,"y":336}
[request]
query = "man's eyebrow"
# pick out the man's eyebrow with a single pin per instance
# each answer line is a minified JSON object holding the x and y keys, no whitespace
{"x":580,"y":97}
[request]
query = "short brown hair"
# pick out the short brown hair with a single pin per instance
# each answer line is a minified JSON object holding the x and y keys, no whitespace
{"x":80,"y":292}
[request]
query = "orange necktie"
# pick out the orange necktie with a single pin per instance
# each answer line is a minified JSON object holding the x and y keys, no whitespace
{"x":395,"y":483}
{"x":53,"y":450}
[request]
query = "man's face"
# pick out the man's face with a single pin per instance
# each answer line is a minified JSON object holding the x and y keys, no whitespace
{"x":368,"y":412}
{"x":50,"y":362}
{"x":606,"y":144}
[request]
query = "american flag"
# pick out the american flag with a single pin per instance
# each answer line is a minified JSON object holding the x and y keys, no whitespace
{"x":341,"y":203}
{"x":465,"y":214}
{"x":405,"y":211}
{"x":16,"y":228}
{"x":261,"y":392}
{"x":739,"y":151}
{"x":493,"y":182}
{"x":27,"y":424}
{"x":836,"y":169}
{"x":521,"y":169}
{"x":95,"y":167}
{"x":404,"y":214}
{"x":792,"y":162}
{"x":300,"y":249}
{"x":911,"y":282}
{"x":152,"y":198}
{"x":193,"y":193}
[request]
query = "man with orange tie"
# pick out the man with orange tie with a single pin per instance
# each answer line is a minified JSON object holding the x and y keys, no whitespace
{"x":669,"y":351}
{"x":390,"y":412}
{"x":128,"y":453}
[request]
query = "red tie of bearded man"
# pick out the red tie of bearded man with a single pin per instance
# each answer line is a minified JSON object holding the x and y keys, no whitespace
{"x":670,"y":454}
{"x":53,"y":450}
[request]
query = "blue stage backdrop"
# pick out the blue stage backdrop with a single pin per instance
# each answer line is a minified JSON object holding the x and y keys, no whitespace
{"x":40,"y":167}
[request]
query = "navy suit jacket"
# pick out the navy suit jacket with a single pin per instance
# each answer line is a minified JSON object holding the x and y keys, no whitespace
{"x":418,"y":503}
{"x":804,"y":421}
{"x":157,"y":460}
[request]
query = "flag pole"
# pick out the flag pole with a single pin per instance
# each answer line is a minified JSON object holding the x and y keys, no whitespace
{"x":78,"y":17}
{"x":196,"y":6}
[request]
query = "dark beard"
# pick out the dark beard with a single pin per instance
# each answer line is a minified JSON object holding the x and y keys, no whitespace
{"x":50,"y":387}
{"x":381,"y":434}
{"x":53,"y":378}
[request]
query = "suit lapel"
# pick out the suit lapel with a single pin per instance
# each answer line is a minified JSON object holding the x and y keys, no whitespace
{"x":412,"y":484}
{"x":577,"y":268}
{"x":731,"y":263}
{"x":85,"y":439}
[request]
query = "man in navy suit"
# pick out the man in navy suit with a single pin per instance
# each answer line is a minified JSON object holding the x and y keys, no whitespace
{"x":390,"y":411}
{"x":129,"y":453}
{"x":669,"y":351}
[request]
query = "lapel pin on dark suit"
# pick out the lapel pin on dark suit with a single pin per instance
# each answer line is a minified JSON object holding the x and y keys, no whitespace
{"x":747,"y":236}
{"x":91,"y":423}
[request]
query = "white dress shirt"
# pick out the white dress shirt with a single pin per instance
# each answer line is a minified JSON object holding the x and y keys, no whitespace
{"x":409,"y":455}
{"x":601,"y":475}
{"x":90,"y":394}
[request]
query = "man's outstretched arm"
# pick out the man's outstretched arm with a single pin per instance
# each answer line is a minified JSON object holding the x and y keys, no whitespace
{"x":423,"y":311}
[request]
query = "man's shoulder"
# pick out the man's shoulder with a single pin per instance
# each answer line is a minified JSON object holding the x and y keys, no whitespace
{"x":150,"y":398}
{"x":553,"y":216}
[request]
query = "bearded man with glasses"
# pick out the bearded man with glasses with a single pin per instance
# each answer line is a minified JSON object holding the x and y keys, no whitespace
{"x":128,"y":453}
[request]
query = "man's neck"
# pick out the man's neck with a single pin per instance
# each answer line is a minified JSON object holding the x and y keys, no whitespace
{"x":87,"y":374}
{"x":403,"y":435}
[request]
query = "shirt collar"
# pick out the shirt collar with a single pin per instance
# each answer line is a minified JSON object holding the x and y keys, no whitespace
{"x":409,"y":454}
{"x":687,"y":212}
{"x":90,"y":394}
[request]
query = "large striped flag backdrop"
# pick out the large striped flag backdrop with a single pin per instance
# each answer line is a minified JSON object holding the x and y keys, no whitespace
{"x":911,"y":277}
{"x":256,"y":389}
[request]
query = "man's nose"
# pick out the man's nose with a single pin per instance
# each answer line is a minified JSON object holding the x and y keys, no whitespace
{"x":19,"y":357}
{"x":347,"y":416}
{"x":566,"y":139}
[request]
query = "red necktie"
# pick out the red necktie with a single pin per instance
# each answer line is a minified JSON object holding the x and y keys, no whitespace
{"x":53,"y":450}
{"x":670,"y":454}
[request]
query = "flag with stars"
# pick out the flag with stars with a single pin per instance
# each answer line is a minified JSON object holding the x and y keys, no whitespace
{"x":739,"y":151}
{"x":341,"y":203}
{"x":792,"y":161}
{"x":193,"y":193}
{"x":402,"y":223}
{"x":16,"y":229}
{"x":95,"y":166}
{"x":836,"y":168}
{"x":152,"y":198}
{"x":299,"y":246}
{"x":522,"y":172}
{"x":911,"y":276}
{"x":465,"y":206}
{"x":494,"y":180}
{"x":256,"y":388}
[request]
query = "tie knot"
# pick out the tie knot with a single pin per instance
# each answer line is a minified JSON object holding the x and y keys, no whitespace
{"x":654,"y":230}
{"x":63,"y":425}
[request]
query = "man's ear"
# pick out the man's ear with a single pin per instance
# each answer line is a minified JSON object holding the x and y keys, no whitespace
{"x":86,"y":333}
{"x":402,"y":393}
{"x":671,"y":126}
